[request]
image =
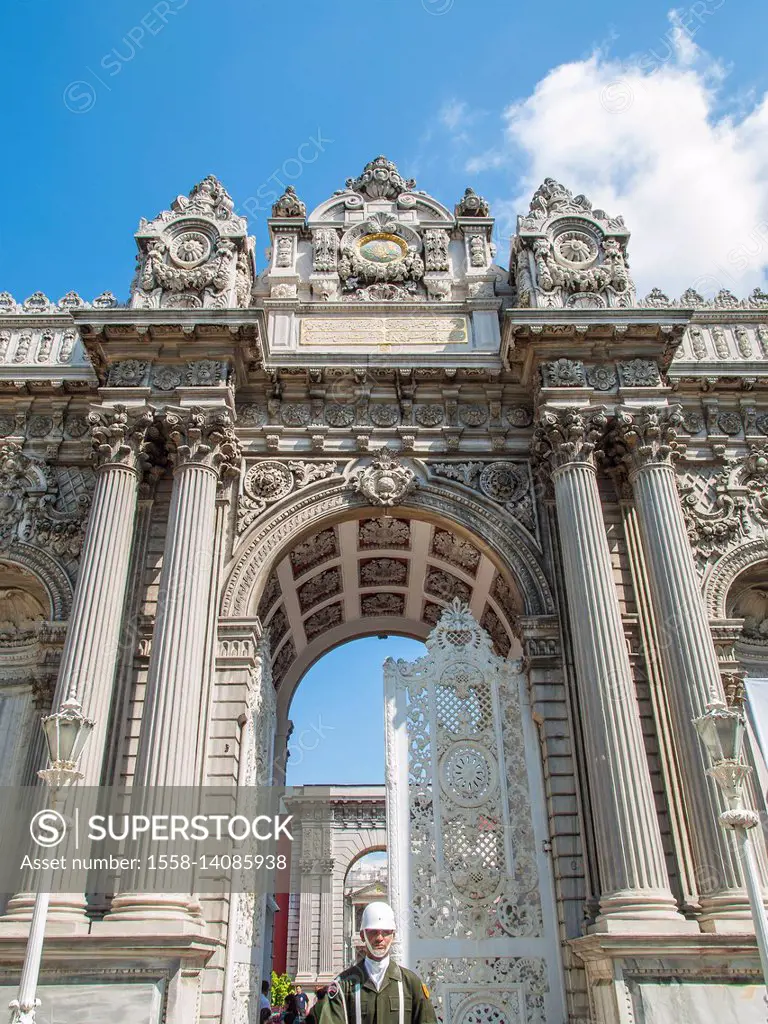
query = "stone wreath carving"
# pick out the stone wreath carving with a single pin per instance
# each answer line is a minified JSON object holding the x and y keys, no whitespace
{"x":380,"y":251}
{"x":268,"y":481}
{"x":725,"y":507}
{"x":42,"y":506}
{"x":158,"y":272}
{"x":506,"y":483}
{"x":385,"y":482}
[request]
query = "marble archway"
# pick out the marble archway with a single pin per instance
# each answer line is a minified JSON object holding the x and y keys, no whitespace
{"x":325,"y":565}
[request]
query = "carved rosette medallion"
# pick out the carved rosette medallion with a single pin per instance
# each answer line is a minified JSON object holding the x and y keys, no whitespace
{"x":504,"y":482}
{"x":385,"y":481}
{"x":467,"y":774}
{"x":268,"y":481}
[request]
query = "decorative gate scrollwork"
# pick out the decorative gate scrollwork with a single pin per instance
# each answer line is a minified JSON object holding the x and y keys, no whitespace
{"x":468,"y":877}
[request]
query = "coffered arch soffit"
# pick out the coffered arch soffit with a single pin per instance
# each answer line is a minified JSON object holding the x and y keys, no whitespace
{"x":325,"y":567}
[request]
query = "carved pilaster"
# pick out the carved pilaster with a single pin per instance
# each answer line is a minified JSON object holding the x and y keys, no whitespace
{"x":89,"y":659}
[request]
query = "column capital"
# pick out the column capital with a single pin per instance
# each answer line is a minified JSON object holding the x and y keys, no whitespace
{"x":568,"y":436}
{"x":645,"y":436}
{"x":204,"y":437}
{"x":123,"y":437}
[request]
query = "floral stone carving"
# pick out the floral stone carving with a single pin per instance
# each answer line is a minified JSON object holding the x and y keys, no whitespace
{"x":195,"y":255}
{"x":385,"y":481}
{"x":269,"y":481}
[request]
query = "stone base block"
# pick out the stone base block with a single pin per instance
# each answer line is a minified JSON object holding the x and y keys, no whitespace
{"x":664,"y":979}
{"x":145,"y":979}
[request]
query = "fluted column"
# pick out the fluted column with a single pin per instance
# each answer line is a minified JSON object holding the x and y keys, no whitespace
{"x":305,"y":968}
{"x":325,"y":965}
{"x":644,"y":439}
{"x":89,"y":659}
{"x":202,"y":446}
{"x":635,"y":893}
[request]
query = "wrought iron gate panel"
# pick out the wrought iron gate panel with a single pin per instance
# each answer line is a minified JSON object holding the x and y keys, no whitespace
{"x":470,"y":881}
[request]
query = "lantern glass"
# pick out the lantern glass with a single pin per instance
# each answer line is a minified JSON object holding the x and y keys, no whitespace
{"x":721,"y":730}
{"x":66,"y":733}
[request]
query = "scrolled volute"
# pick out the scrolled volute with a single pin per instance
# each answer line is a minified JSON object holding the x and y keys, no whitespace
{"x":646,"y":436}
{"x":203,"y":436}
{"x":568,"y":436}
{"x":123,"y":437}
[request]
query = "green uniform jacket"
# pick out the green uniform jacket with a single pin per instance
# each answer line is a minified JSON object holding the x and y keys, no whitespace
{"x":382,"y":1007}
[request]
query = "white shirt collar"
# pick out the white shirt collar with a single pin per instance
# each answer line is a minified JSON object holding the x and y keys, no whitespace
{"x":376,"y":970}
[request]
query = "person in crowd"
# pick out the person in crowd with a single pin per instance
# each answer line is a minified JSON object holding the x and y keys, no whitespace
{"x":290,"y":1013}
{"x":265,"y":1007}
{"x":302,"y":1002}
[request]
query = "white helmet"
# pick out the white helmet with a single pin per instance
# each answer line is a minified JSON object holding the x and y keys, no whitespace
{"x":378,"y":915}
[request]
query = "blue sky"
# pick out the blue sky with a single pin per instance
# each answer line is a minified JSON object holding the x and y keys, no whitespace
{"x":113,"y":109}
{"x":338,"y":713}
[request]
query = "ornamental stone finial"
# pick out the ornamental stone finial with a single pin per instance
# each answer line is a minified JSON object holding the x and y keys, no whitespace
{"x":385,"y":481}
{"x":195,"y":255}
{"x":289,"y":205}
{"x":380,"y":179}
{"x":208,"y":197}
{"x":567,"y":254}
{"x":472,"y":205}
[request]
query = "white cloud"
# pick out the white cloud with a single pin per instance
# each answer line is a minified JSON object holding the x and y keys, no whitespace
{"x":452,"y":114}
{"x":647,"y":138}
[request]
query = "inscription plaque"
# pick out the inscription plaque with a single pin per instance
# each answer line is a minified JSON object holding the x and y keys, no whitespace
{"x":384,"y":330}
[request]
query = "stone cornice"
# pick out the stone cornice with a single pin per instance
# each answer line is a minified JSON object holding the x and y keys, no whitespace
{"x":172,"y":336}
{"x":723,"y":948}
{"x":532,"y":337}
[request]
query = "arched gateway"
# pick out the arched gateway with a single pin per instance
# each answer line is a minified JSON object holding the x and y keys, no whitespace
{"x":219,"y":481}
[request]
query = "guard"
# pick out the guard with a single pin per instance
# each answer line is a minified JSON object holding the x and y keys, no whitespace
{"x":376,"y":990}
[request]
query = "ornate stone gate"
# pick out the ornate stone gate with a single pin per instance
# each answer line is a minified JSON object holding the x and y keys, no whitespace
{"x":378,"y":421}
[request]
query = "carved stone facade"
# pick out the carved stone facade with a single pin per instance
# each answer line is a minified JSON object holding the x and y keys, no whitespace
{"x":207,"y":487}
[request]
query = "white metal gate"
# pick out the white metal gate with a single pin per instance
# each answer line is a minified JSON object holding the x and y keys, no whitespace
{"x":470,"y":878}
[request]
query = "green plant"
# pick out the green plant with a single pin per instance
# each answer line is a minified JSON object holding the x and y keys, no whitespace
{"x":281,"y":986}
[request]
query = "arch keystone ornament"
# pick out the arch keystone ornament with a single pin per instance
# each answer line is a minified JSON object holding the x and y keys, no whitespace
{"x":470,"y":883}
{"x":386,"y":481}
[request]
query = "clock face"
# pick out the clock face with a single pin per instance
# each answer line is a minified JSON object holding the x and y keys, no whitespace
{"x":382,"y":248}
